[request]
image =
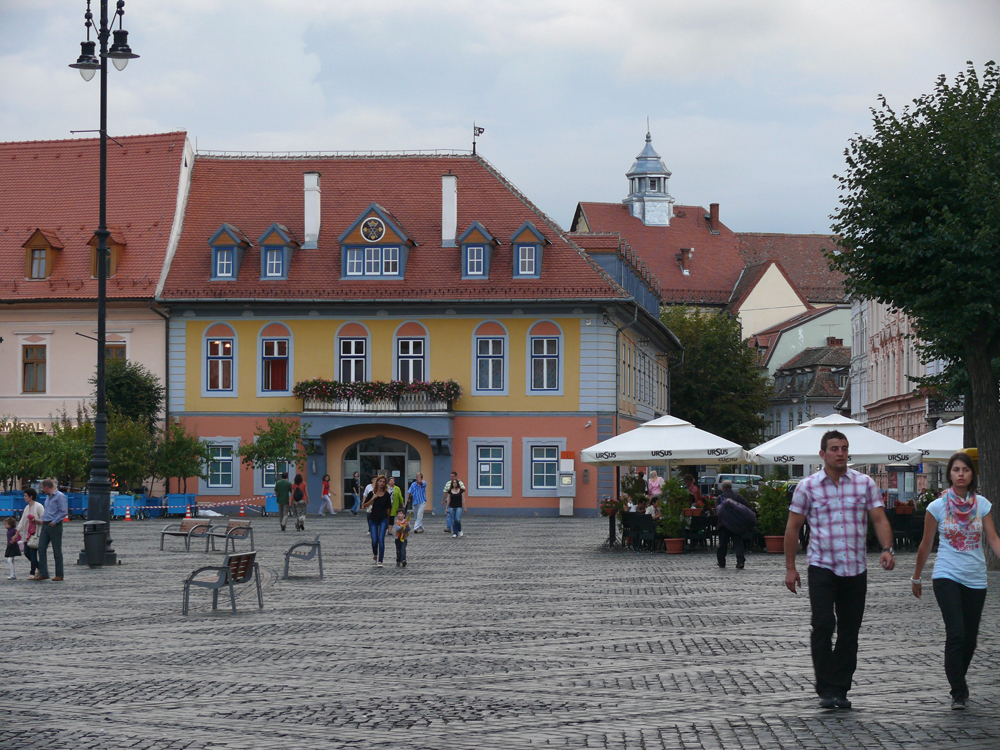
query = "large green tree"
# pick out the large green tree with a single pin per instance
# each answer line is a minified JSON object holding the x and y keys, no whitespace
{"x":719,"y":385}
{"x":133,"y":392}
{"x":919,"y":224}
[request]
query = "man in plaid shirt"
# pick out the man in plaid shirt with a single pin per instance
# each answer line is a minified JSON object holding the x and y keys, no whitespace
{"x":837,"y":502}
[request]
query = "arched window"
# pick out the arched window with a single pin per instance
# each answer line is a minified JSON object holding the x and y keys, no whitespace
{"x":410,"y":347}
{"x":275,"y":349}
{"x":219,"y":358}
{"x":489,"y":350}
{"x":353,"y":344}
{"x":545,"y":351}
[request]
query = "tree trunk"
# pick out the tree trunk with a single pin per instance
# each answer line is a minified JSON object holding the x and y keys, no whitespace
{"x":969,"y":412}
{"x":986,"y":400}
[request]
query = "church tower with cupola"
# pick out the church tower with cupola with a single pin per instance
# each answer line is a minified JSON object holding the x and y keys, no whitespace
{"x":648,"y":199}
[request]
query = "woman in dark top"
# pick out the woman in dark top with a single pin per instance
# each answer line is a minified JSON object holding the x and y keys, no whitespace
{"x":456,"y":504}
{"x":378,"y":503}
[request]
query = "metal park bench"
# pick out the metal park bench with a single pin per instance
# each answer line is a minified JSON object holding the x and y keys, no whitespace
{"x":234,"y":530}
{"x":188,"y":528}
{"x":236,"y":569}
{"x":314,"y":551}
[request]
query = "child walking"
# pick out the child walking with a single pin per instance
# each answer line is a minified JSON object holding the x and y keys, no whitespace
{"x":13,"y":550}
{"x":401,"y":529}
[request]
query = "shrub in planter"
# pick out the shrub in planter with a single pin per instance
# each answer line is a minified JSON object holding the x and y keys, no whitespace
{"x":772,"y":504}
{"x":674,"y":499}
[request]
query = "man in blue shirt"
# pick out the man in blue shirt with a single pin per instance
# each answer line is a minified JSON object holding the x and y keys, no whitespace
{"x":418,"y":496}
{"x":56,"y":510}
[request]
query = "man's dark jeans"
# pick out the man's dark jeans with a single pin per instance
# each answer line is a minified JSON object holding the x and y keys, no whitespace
{"x":962,"y":609}
{"x":724,"y":536}
{"x":51,"y":533}
{"x":838,"y":604}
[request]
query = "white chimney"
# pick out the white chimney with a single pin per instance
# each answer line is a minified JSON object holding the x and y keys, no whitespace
{"x":311,"y":213}
{"x":449,"y":209}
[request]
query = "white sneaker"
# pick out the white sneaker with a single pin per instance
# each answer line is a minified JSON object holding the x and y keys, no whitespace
{"x":461,"y":533}
{"x":454,"y":536}
{"x":11,"y":578}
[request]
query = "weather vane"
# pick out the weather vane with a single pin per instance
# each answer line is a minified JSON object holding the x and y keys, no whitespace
{"x":476,"y":132}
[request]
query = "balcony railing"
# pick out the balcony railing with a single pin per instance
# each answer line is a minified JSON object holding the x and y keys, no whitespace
{"x":407,"y":403}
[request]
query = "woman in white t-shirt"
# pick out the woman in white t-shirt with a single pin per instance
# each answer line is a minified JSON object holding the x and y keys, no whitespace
{"x":959,"y":577}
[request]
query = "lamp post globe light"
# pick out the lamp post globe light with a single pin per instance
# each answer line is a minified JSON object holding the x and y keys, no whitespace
{"x":99,"y":487}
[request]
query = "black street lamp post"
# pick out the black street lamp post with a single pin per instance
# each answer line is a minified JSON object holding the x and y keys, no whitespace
{"x":99,"y":498}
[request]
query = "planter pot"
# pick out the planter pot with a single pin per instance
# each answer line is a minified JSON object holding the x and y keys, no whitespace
{"x":903,"y":510}
{"x":674,"y":546}
{"x":692,"y":511}
{"x":775,"y":544}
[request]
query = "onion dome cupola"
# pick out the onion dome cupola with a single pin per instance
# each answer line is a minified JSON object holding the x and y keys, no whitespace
{"x":648,"y":199}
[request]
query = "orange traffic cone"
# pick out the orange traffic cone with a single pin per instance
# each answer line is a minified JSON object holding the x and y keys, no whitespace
{"x":128,"y":514}
{"x":188,"y":514}
{"x":242,"y":511}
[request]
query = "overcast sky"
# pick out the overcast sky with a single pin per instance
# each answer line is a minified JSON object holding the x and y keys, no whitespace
{"x":750,"y":102}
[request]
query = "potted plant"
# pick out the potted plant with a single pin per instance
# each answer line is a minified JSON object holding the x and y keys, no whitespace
{"x":671,"y":524}
{"x":611,"y":507}
{"x":772,"y":514}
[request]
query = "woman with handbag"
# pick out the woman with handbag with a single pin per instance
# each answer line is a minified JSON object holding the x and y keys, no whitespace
{"x":378,"y":503}
{"x":30,"y":527}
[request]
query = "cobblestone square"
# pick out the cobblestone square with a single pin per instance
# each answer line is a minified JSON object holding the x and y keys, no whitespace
{"x":524,"y":633}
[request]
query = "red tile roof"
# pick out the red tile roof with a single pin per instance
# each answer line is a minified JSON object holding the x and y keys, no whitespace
{"x":715,"y":265}
{"x":801,"y":256}
{"x":765,"y":340}
{"x":53,"y":186}
{"x":252,"y":193}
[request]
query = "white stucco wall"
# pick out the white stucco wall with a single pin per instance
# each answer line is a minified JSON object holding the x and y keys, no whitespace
{"x":772,"y":300}
{"x":71,"y":359}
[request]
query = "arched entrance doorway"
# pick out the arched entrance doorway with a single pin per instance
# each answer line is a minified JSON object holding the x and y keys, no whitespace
{"x":385,"y":456}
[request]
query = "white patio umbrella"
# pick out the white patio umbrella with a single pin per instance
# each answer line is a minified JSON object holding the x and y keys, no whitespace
{"x":940,"y":444}
{"x":801,"y":445}
{"x":661,"y":441}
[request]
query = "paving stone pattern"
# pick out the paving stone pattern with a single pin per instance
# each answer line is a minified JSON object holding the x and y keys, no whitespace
{"x":523,"y":634}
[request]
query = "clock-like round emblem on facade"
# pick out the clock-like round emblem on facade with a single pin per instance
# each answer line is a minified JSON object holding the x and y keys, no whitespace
{"x":372,"y":229}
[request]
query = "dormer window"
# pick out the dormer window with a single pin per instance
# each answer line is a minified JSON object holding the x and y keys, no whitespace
{"x":375,"y":246}
{"x":224,"y":262}
{"x":37,"y":261}
{"x":275,"y":262}
{"x":474,"y":260}
{"x":654,"y":184}
{"x":526,"y":260}
{"x":116,"y":246}
{"x":228,"y":245}
{"x":527,"y":244}
{"x":277,"y":245}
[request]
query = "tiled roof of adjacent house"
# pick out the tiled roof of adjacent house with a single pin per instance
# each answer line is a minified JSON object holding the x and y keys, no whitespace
{"x":821,"y":381}
{"x":252,"y":193}
{"x":715,"y":265}
{"x":764,"y":341}
{"x":819,"y":356}
{"x":801,"y":257}
{"x":53,"y":186}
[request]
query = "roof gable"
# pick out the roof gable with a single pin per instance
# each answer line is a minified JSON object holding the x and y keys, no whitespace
{"x":803,"y":260}
{"x":365,"y":232}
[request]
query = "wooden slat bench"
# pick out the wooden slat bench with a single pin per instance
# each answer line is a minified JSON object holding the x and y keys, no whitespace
{"x":234,"y":530}
{"x":236,"y":569}
{"x":188,"y":528}
{"x":314,"y":551}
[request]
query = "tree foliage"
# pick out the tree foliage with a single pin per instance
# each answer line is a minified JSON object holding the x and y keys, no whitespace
{"x":132,"y":391}
{"x":281,"y":441}
{"x":70,"y":448}
{"x":131,"y":451}
{"x":179,"y":455}
{"x":719,"y":386}
{"x":919,"y":221}
{"x":22,"y":454}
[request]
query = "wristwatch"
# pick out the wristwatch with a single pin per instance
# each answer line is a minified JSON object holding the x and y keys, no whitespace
{"x":890,"y":550}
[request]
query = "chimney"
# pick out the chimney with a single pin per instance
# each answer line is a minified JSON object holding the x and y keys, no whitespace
{"x":449,"y":209}
{"x":311,"y":212}
{"x":831,"y":341}
{"x":684,"y":260}
{"x":713,"y":220}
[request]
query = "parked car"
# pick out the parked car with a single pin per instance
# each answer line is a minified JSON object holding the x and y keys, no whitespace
{"x":738,"y":480}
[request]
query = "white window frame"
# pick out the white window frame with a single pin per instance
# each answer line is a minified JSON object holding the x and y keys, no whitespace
{"x":528,"y":444}
{"x":410,"y":358}
{"x":539,"y":460}
{"x":548,"y":360}
{"x":506,"y":451}
{"x":493,"y":457}
{"x":220,"y":359}
{"x":390,"y":261}
{"x":526,"y":260}
{"x":275,"y":471}
{"x":224,"y":262}
{"x":373,"y":261}
{"x":275,"y":344}
{"x":475,"y":260}
{"x":353,"y":357}
{"x":496,"y":361}
{"x":355,"y":261}
{"x":221,"y":460}
{"x":275,"y":262}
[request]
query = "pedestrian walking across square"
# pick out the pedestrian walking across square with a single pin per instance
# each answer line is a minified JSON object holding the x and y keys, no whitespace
{"x":837,"y":502}
{"x":417,"y":495}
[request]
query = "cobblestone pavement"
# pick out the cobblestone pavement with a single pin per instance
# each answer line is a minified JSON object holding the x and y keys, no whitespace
{"x":523,"y":634}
